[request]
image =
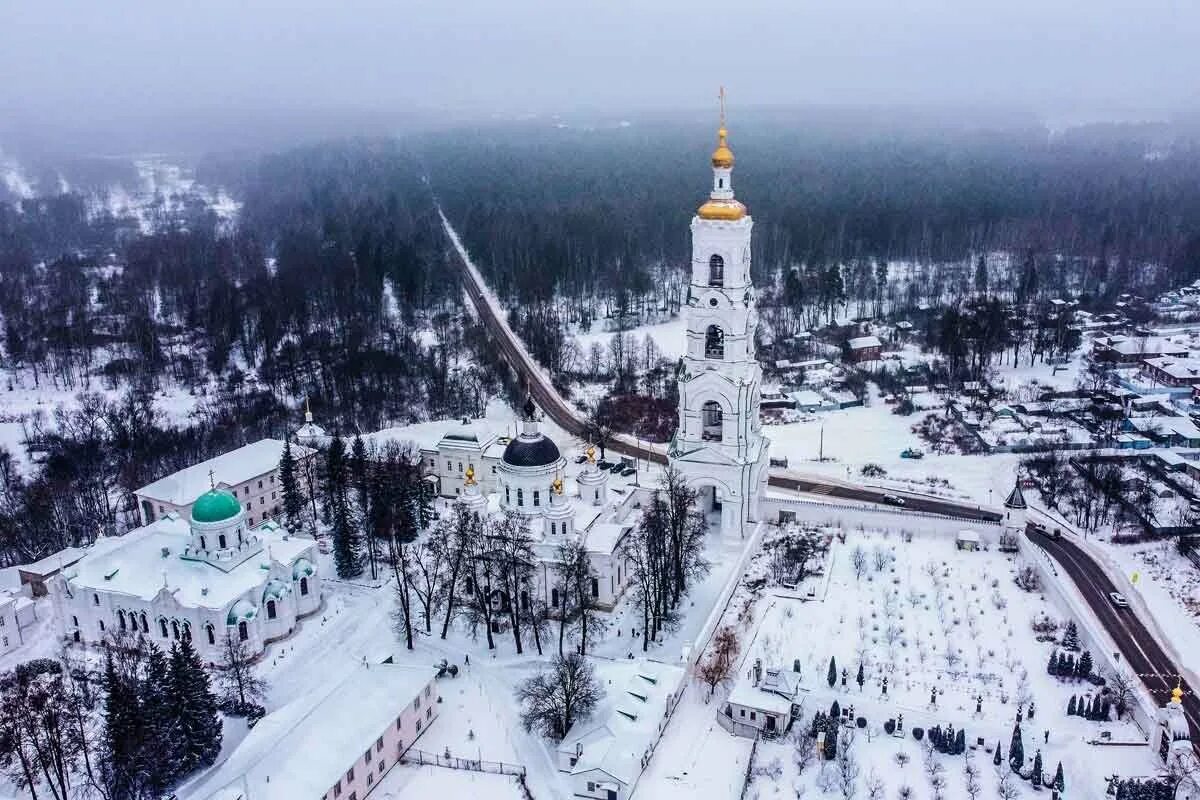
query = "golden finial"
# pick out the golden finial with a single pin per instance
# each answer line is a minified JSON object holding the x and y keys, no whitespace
{"x":591,"y":454}
{"x":1177,"y":692}
{"x":557,"y":486}
{"x":470,"y":475}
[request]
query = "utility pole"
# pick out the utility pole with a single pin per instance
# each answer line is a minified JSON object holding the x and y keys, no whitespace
{"x":821,"y":445}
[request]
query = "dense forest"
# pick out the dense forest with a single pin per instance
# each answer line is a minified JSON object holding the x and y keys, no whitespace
{"x":602,"y":213}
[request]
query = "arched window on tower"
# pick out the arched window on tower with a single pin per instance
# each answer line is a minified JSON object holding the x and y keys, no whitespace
{"x":714,"y":342}
{"x":212,"y":634}
{"x":145,"y":623}
{"x":243,"y":631}
{"x":716,"y":271}
{"x":712,"y":419}
{"x":175,"y":629}
{"x":121,"y":619}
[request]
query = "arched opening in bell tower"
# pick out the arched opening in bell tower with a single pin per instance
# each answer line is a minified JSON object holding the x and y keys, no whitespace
{"x":714,"y":342}
{"x":716,"y":271}
{"x":712,"y":421}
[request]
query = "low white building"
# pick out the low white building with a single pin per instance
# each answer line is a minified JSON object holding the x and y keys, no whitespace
{"x":606,"y":754}
{"x":335,"y":746}
{"x":249,"y":473}
{"x":17,"y":613}
{"x":449,"y":448}
{"x":200,"y":579}
{"x":762,"y":701}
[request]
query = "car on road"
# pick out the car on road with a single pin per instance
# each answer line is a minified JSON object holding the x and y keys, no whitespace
{"x":1039,"y":527}
{"x":893,"y":500}
{"x":911,"y":452}
{"x":1118,"y":600}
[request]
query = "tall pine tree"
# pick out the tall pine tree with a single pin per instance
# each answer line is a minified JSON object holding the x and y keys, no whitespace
{"x":1016,"y":748}
{"x":347,"y":549}
{"x":289,"y":483}
{"x":199,"y":724}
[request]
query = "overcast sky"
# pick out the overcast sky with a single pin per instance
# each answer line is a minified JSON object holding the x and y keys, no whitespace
{"x":1057,"y":57}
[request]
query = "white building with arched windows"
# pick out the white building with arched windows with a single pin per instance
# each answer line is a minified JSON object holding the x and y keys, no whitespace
{"x":200,"y":578}
{"x":719,"y":446}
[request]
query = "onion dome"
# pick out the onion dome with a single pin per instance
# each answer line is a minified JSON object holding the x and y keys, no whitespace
{"x":303,"y":568}
{"x":241,"y":611}
{"x":525,"y":451}
{"x":722,"y":157}
{"x":215,"y":505}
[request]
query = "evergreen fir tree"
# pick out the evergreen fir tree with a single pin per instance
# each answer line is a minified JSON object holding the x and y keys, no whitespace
{"x":1084,"y":668}
{"x":161,"y":752}
{"x":831,"y":734}
{"x":1068,"y":669}
{"x":1029,"y":713}
{"x":1035,"y":777}
{"x":119,"y":738}
{"x":981,"y":276}
{"x":1052,"y":665}
{"x":861,"y":677}
{"x":1071,"y":707}
{"x":199,"y":724}
{"x":289,"y":485}
{"x":999,"y":755}
{"x":347,"y":549}
{"x":1060,"y":783}
{"x":835,"y":711}
{"x":1016,"y":748}
{"x":1071,"y":637}
{"x":832,"y":676}
{"x":960,"y":742}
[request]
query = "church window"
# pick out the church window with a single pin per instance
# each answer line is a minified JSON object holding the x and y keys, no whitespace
{"x":712,"y":418}
{"x":187,"y":632}
{"x":145,"y":623}
{"x":243,"y":631}
{"x":203,"y":544}
{"x":95,"y":599}
{"x":524,"y":600}
{"x":507,"y":496}
{"x":221,"y":541}
{"x":260,"y":484}
{"x":175,"y":629}
{"x":303,"y":587}
{"x":554,"y":598}
{"x":270,"y":609}
{"x":212,"y":635}
{"x":460,"y":469}
{"x":449,"y":466}
{"x":102,"y":626}
{"x":595,"y":587}
{"x":716,"y":271}
{"x":121,"y":619}
{"x":714,"y":342}
{"x":720,"y":183}
{"x":537,"y":501}
{"x":162,"y":627}
{"x":520,"y":497}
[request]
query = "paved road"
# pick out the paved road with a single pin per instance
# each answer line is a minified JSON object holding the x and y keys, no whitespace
{"x":534,"y":381}
{"x":1138,"y":646}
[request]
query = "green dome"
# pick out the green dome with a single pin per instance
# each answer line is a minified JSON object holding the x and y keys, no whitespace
{"x":216,"y":505}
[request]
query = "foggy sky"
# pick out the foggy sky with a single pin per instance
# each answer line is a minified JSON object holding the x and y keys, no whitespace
{"x":87,"y":59}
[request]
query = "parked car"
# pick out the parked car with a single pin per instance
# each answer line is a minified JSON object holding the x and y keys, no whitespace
{"x":911,"y":452}
{"x":893,"y":500}
{"x":1039,"y":528}
{"x":1118,"y":600}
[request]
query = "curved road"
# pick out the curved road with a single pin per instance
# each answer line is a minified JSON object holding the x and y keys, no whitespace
{"x":1137,"y":645}
{"x":538,"y":384}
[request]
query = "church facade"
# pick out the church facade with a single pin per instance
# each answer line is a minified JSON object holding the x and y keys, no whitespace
{"x":200,"y":578}
{"x":719,"y":446}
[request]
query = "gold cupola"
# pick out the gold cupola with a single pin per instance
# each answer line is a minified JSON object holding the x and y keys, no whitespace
{"x":721,"y":204}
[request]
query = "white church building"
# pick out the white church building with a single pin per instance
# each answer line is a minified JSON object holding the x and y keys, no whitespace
{"x":198,"y":578}
{"x":719,"y":446}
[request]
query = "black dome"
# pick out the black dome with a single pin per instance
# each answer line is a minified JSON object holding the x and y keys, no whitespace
{"x":539,"y":452}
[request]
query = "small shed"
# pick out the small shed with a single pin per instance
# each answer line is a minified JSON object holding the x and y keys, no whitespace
{"x":967,"y":540}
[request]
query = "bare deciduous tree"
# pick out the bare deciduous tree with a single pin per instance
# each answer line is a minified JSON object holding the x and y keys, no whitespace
{"x":553,"y":700}
{"x":717,"y":666}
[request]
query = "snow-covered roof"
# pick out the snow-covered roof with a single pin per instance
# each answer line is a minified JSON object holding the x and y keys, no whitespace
{"x":1146,"y":345}
{"x":807,"y":397}
{"x":968,"y":536}
{"x":229,"y":469}
{"x":428,"y":435}
{"x":135,"y":564}
{"x":1181,"y":426}
{"x":63,"y":558}
{"x":605,"y":536}
{"x":302,"y":749}
{"x":862,"y":342}
{"x":1180,"y":368}
{"x":616,"y":738}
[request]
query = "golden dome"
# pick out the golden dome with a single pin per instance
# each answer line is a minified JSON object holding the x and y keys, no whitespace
{"x":470,"y":475}
{"x":591,"y":455}
{"x":1177,"y":695}
{"x":727,"y":210}
{"x":557,"y":486}
{"x":722,"y":156}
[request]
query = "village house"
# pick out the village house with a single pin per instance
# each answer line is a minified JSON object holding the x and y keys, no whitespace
{"x":762,"y":702}
{"x":1170,"y":371}
{"x":1132,"y":349}
{"x":865,"y":348}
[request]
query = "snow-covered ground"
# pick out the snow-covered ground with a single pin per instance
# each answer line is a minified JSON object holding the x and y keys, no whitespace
{"x":936,"y":590}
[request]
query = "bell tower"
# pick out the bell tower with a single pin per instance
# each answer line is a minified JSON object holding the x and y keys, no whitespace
{"x":719,"y":444}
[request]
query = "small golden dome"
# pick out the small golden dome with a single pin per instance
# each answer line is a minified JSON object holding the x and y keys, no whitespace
{"x":722,"y":156}
{"x":470,"y":476}
{"x":727,"y":210}
{"x":557,"y":486}
{"x":591,"y":454}
{"x":1177,"y":695}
